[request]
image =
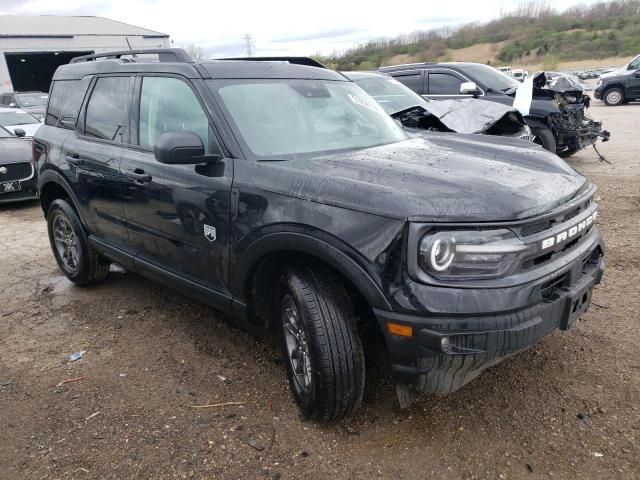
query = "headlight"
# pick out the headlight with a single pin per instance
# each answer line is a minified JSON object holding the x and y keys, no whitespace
{"x":469,"y":255}
{"x":599,"y":83}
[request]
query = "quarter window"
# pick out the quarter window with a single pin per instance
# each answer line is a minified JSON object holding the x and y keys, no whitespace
{"x":107,"y":109}
{"x":444,"y":84}
{"x":169,"y":105}
{"x":65,"y":101}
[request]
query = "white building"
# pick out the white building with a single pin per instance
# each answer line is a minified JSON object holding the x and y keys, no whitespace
{"x":32,"y":47}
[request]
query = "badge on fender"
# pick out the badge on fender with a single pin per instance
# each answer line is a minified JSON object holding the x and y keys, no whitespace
{"x":210,"y":233}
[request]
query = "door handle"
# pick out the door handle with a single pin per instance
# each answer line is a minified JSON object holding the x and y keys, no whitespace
{"x":139,"y":175}
{"x":74,"y":158}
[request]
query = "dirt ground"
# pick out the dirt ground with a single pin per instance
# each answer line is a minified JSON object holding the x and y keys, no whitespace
{"x":566,"y":408}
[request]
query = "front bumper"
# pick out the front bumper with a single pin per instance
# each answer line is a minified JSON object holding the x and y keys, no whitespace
{"x":447,"y":351}
{"x":28,"y":191}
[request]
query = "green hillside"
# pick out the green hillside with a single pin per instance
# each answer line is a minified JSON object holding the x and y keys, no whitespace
{"x":534,"y":33}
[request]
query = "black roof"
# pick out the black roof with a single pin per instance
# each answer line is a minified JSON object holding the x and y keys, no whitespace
{"x":176,"y":61}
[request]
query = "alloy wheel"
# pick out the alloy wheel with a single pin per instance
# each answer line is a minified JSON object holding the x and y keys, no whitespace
{"x":66,"y":244}
{"x":296,"y":344}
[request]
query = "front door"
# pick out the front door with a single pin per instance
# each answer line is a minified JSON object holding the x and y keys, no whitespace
{"x":178,"y":216}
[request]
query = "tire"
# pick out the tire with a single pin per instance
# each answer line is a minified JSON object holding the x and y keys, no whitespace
{"x":76,"y":258}
{"x":613,"y":97}
{"x":543,"y":136}
{"x":321,"y":346}
{"x":568,"y":152}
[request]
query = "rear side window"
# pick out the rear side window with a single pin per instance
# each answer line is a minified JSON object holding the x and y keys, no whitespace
{"x":65,"y":101}
{"x":107,"y":109}
{"x":413,"y":80}
{"x":444,"y":84}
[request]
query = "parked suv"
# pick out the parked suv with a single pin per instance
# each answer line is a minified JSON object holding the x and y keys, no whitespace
{"x":621,"y":86}
{"x":557,"y":118}
{"x":284,"y":195}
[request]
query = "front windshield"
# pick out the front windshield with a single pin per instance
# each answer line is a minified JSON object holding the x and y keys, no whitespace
{"x":4,"y":133}
{"x":390,"y":94}
{"x":491,"y":78}
{"x":32,"y":99}
{"x":17,"y":118}
{"x":634,"y":64}
{"x":283,"y":118}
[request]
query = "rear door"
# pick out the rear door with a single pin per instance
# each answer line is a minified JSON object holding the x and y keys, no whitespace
{"x":414,"y":79}
{"x":178,"y":215}
{"x":91,"y":157}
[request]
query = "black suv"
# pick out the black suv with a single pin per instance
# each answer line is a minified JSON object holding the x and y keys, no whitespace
{"x":556,"y":117}
{"x":284,"y":195}
{"x":621,"y":86}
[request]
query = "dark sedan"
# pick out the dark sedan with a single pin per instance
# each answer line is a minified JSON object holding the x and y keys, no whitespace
{"x":17,"y":176}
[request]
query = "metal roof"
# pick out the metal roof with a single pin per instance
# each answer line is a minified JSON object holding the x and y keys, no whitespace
{"x":58,"y":25}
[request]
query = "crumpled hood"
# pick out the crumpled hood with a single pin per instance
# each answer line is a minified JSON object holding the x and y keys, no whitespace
{"x":469,"y":115}
{"x":438,"y":176}
{"x":14,"y":150}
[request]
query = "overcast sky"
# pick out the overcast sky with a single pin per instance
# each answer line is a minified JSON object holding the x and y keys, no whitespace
{"x":278,"y":27}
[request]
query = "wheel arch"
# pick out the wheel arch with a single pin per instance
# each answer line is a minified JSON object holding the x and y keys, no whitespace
{"x":264,"y":259}
{"x":51,"y":186}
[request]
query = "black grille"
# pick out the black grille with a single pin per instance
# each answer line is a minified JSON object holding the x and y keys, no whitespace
{"x":536,"y":228}
{"x":15,"y":171}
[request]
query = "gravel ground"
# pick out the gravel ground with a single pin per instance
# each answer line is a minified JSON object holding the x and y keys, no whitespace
{"x":566,"y":408}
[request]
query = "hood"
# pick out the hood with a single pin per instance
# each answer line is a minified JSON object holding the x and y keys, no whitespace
{"x":438,"y":176}
{"x":469,"y":115}
{"x":29,"y":129}
{"x":14,"y":150}
{"x":616,"y":73}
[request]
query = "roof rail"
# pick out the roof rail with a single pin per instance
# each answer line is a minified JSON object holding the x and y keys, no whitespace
{"x":177,"y":55}
{"x":308,"y":61}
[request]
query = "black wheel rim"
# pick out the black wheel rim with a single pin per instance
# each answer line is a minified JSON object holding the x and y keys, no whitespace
{"x":66,"y":244}
{"x":296,"y":344}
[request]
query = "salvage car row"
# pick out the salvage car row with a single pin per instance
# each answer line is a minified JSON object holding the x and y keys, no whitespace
{"x":283,"y":194}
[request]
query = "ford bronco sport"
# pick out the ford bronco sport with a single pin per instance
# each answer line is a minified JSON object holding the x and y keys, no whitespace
{"x":283,"y":194}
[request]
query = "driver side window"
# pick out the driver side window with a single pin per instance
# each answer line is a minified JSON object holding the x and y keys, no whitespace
{"x":169,"y":105}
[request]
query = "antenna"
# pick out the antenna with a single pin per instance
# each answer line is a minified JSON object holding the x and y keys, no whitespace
{"x":248,"y":44}
{"x":127,"y":39}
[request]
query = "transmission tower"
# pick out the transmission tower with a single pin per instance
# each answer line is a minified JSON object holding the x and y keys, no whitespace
{"x":248,"y":44}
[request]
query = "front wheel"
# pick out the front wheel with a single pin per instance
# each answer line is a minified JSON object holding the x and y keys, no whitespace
{"x":323,"y":352}
{"x":614,"y":97}
{"x":76,"y":258}
{"x":569,"y":151}
{"x":543,"y":136}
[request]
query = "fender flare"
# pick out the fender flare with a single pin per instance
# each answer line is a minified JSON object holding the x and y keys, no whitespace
{"x":313,"y":246}
{"x":52,"y":176}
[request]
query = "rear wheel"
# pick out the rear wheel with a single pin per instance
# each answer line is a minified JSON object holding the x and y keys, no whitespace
{"x":322,"y":349}
{"x":76,"y":258}
{"x":543,"y":136}
{"x":613,"y":97}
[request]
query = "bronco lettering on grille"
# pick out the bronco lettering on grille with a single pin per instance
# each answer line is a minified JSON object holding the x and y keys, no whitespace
{"x":569,"y":232}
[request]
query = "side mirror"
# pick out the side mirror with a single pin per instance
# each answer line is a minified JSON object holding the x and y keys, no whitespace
{"x":181,"y":148}
{"x":19,"y":132}
{"x":637,"y":74}
{"x":469,"y":88}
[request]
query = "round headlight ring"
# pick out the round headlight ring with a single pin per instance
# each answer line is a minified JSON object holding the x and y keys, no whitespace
{"x":442,"y":254}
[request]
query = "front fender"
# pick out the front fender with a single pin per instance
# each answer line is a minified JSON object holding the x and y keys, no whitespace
{"x":316,"y":244}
